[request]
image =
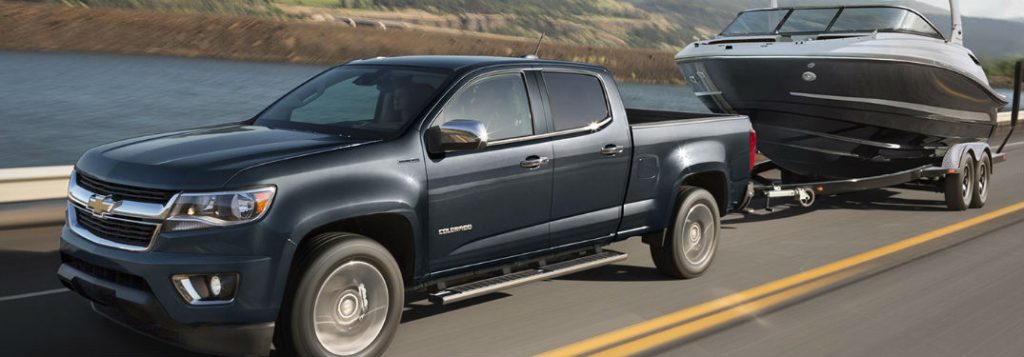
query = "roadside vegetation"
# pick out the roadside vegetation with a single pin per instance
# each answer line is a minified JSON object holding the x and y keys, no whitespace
{"x":1001,"y":71}
{"x":595,"y":27}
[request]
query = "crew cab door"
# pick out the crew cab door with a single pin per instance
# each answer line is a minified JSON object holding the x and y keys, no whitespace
{"x":591,"y":167}
{"x":495,"y":202}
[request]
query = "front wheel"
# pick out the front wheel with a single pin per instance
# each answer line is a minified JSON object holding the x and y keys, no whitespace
{"x":348,"y":300}
{"x":691,"y":241}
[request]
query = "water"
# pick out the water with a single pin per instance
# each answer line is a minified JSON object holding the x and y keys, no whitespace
{"x":54,"y":106}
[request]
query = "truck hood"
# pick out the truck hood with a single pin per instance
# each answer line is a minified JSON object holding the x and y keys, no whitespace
{"x":204,"y":158}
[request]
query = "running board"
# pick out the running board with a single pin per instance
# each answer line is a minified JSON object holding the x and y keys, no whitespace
{"x":490,"y":285}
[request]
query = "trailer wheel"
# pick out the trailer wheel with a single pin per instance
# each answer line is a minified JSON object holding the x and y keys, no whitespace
{"x":692,"y":239}
{"x":347,"y":301}
{"x":982,"y":171}
{"x":960,"y":186}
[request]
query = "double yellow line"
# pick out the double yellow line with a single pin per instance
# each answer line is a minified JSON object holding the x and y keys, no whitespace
{"x":701,"y":318}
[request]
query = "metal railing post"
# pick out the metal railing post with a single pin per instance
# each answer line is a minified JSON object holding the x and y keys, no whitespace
{"x":1017,"y":74}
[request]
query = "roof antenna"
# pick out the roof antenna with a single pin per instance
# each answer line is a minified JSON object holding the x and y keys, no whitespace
{"x":536,"y":50}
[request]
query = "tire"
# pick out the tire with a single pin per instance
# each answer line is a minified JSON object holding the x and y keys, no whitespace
{"x":959,"y":187}
{"x":982,"y":173}
{"x":696,"y":225}
{"x":352,"y":280}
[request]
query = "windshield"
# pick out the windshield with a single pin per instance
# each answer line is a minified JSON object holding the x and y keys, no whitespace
{"x":364,"y":102}
{"x":760,"y":22}
{"x":830,"y":20}
{"x":881,"y":19}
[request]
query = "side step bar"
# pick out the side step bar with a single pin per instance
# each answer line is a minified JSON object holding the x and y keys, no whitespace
{"x":490,"y":285}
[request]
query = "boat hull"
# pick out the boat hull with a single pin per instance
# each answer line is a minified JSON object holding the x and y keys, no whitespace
{"x":822,"y":117}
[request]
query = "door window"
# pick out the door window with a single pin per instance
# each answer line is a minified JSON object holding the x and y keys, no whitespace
{"x":577,"y":100}
{"x":500,"y":102}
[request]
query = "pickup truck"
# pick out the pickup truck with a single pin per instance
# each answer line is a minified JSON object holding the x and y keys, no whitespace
{"x":302,"y":229}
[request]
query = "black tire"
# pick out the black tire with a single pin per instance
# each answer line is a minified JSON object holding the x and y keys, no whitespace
{"x":696,"y":211}
{"x":982,"y":173}
{"x":329,"y":257}
{"x":959,"y":186}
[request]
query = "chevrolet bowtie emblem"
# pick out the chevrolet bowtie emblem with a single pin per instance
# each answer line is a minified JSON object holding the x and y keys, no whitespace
{"x":100,"y":204}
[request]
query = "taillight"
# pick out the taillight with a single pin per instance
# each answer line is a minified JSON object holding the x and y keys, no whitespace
{"x":753,"y":149}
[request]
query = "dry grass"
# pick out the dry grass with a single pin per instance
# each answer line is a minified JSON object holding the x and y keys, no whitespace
{"x":61,"y":28}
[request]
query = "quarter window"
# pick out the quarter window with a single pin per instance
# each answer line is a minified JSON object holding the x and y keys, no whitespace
{"x":576,"y":100}
{"x":500,"y":102}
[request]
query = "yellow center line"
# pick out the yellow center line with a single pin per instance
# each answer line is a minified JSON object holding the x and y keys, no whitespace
{"x":721,"y":318}
{"x":675,"y":318}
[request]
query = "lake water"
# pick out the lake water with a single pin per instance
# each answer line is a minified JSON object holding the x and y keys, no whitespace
{"x":54,"y":106}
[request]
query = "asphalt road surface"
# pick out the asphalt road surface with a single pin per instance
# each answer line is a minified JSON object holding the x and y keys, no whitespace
{"x":959,"y":295}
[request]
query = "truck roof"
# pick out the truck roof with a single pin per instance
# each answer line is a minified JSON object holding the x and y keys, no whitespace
{"x":465,"y":63}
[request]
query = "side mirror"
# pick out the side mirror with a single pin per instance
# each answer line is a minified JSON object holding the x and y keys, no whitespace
{"x":457,"y":135}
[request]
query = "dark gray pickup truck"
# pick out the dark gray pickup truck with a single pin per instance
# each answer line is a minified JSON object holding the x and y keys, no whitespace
{"x":302,"y":229}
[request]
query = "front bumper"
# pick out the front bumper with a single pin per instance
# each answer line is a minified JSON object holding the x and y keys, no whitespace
{"x":135,"y":289}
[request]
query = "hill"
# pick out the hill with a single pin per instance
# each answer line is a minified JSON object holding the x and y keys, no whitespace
{"x":664,"y":25}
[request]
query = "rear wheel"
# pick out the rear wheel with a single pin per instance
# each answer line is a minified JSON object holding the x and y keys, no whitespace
{"x":982,"y":171}
{"x":959,"y":187}
{"x":692,"y":239}
{"x":347,"y":301}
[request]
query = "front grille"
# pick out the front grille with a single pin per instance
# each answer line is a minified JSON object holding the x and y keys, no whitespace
{"x":116,"y":230}
{"x":110,"y":275}
{"x":123,"y":192}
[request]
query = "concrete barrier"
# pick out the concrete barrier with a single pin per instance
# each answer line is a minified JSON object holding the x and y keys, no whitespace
{"x":33,"y":196}
{"x":1004,"y":117}
{"x":34,"y":183}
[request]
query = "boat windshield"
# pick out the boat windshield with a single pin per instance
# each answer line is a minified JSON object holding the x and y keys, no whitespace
{"x":809,"y":21}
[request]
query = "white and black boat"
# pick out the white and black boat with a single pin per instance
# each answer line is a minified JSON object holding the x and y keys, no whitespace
{"x":846,"y":91}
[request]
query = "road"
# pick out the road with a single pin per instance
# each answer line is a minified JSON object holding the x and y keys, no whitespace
{"x":958,"y":295}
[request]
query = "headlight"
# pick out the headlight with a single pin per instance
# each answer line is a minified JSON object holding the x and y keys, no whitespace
{"x":219,"y":209}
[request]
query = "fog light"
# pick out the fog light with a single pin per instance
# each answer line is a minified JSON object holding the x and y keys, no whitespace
{"x":206,"y":289}
{"x":215,"y":285}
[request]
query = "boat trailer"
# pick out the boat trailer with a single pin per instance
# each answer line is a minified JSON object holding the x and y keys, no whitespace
{"x":929,"y":177}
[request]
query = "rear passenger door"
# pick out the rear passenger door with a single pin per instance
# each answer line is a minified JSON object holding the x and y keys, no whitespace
{"x":591,"y":162}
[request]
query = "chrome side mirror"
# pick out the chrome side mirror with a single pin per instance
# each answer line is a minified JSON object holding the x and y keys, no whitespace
{"x":457,"y":135}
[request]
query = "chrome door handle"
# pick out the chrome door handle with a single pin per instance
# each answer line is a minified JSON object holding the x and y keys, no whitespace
{"x":612,"y":150}
{"x":533,"y":162}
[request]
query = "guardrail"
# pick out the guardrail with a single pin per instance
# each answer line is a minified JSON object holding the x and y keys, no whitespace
{"x":33,"y":196}
{"x":1004,"y":117}
{"x":34,"y":183}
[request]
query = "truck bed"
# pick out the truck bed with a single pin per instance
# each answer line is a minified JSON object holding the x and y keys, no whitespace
{"x":647,"y":117}
{"x":668,"y":146}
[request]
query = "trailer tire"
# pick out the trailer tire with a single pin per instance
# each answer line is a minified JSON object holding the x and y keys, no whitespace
{"x":695,"y":228}
{"x":959,"y":187}
{"x":982,"y":173}
{"x":347,"y":299}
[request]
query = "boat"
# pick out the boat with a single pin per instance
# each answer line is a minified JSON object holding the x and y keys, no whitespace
{"x":846,"y":91}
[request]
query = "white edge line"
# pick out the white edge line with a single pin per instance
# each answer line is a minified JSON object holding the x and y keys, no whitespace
{"x":29,"y":295}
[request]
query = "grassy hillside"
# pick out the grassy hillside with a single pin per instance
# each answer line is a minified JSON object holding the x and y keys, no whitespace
{"x":666,"y":25}
{"x":63,"y":28}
